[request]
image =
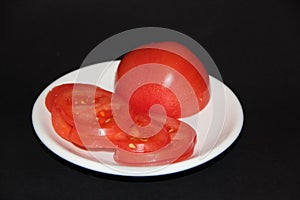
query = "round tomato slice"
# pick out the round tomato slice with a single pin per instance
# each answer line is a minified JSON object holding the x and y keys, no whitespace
{"x":133,"y":142}
{"x":90,"y":140}
{"x":80,"y":99}
{"x":56,"y":91}
{"x":89,"y":137}
{"x":86,"y":117}
{"x":90,"y":124}
{"x":193,"y":83}
{"x":72,"y":107}
{"x":180,"y":148}
{"x":61,"y":127}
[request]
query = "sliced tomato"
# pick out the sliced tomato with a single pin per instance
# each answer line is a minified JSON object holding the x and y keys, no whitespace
{"x":180,"y":148}
{"x":90,"y":125}
{"x":61,"y":127}
{"x":133,"y":142}
{"x":90,"y":140}
{"x":55,"y":92}
{"x":80,"y":100}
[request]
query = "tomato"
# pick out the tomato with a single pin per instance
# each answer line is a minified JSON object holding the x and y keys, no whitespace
{"x":177,"y":79}
{"x":80,"y":101}
{"x":82,"y":114}
{"x":56,"y":91}
{"x":181,"y":147}
{"x":73,"y":107}
{"x":134,"y":141}
{"x":62,"y":128}
{"x":86,"y":120}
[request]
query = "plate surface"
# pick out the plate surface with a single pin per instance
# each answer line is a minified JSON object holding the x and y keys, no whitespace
{"x":216,"y":132}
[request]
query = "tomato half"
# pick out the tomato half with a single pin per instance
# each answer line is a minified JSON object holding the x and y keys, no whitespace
{"x":192,"y":84}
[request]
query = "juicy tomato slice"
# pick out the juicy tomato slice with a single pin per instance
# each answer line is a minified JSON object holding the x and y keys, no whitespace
{"x":131,"y":142}
{"x":94,"y":128}
{"x":87,"y":140}
{"x":180,"y":148}
{"x":91,"y":124}
{"x":77,"y":98}
{"x":61,"y":127}
{"x":55,"y":92}
{"x":66,"y":100}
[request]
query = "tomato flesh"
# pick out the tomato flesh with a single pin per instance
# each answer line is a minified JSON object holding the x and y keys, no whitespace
{"x":180,"y":148}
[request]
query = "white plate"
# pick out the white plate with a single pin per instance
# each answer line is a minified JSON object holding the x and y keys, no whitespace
{"x":102,"y":74}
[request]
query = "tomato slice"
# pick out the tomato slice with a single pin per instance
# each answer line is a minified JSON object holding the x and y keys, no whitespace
{"x":61,"y":127}
{"x":132,"y":142}
{"x":89,"y":124}
{"x":65,"y":100}
{"x":55,"y":92}
{"x":78,"y":99}
{"x":180,"y":148}
{"x":90,"y":140}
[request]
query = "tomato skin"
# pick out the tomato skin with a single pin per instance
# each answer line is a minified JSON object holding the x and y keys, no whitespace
{"x":182,"y":61}
{"x":150,"y":94}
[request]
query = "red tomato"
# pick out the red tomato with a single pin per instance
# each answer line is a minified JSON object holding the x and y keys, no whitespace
{"x":90,"y":124}
{"x":133,"y":142}
{"x":176,"y":93}
{"x":73,"y":108}
{"x":80,"y":101}
{"x":180,"y":148}
{"x":80,"y":118}
{"x":61,"y":127}
{"x":56,"y":91}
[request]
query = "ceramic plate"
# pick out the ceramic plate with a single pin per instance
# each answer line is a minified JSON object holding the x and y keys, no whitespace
{"x":217,"y":126}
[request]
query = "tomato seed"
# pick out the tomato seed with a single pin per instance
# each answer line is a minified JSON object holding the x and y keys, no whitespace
{"x":144,"y":139}
{"x":102,"y":113}
{"x":107,"y":120}
{"x":171,"y":130}
{"x":132,"y":146}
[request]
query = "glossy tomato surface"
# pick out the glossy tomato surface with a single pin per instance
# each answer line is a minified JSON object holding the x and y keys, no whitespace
{"x":173,"y":77}
{"x":77,"y":111}
{"x":181,"y":147}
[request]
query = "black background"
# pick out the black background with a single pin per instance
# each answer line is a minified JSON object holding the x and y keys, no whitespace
{"x":255,"y":44}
